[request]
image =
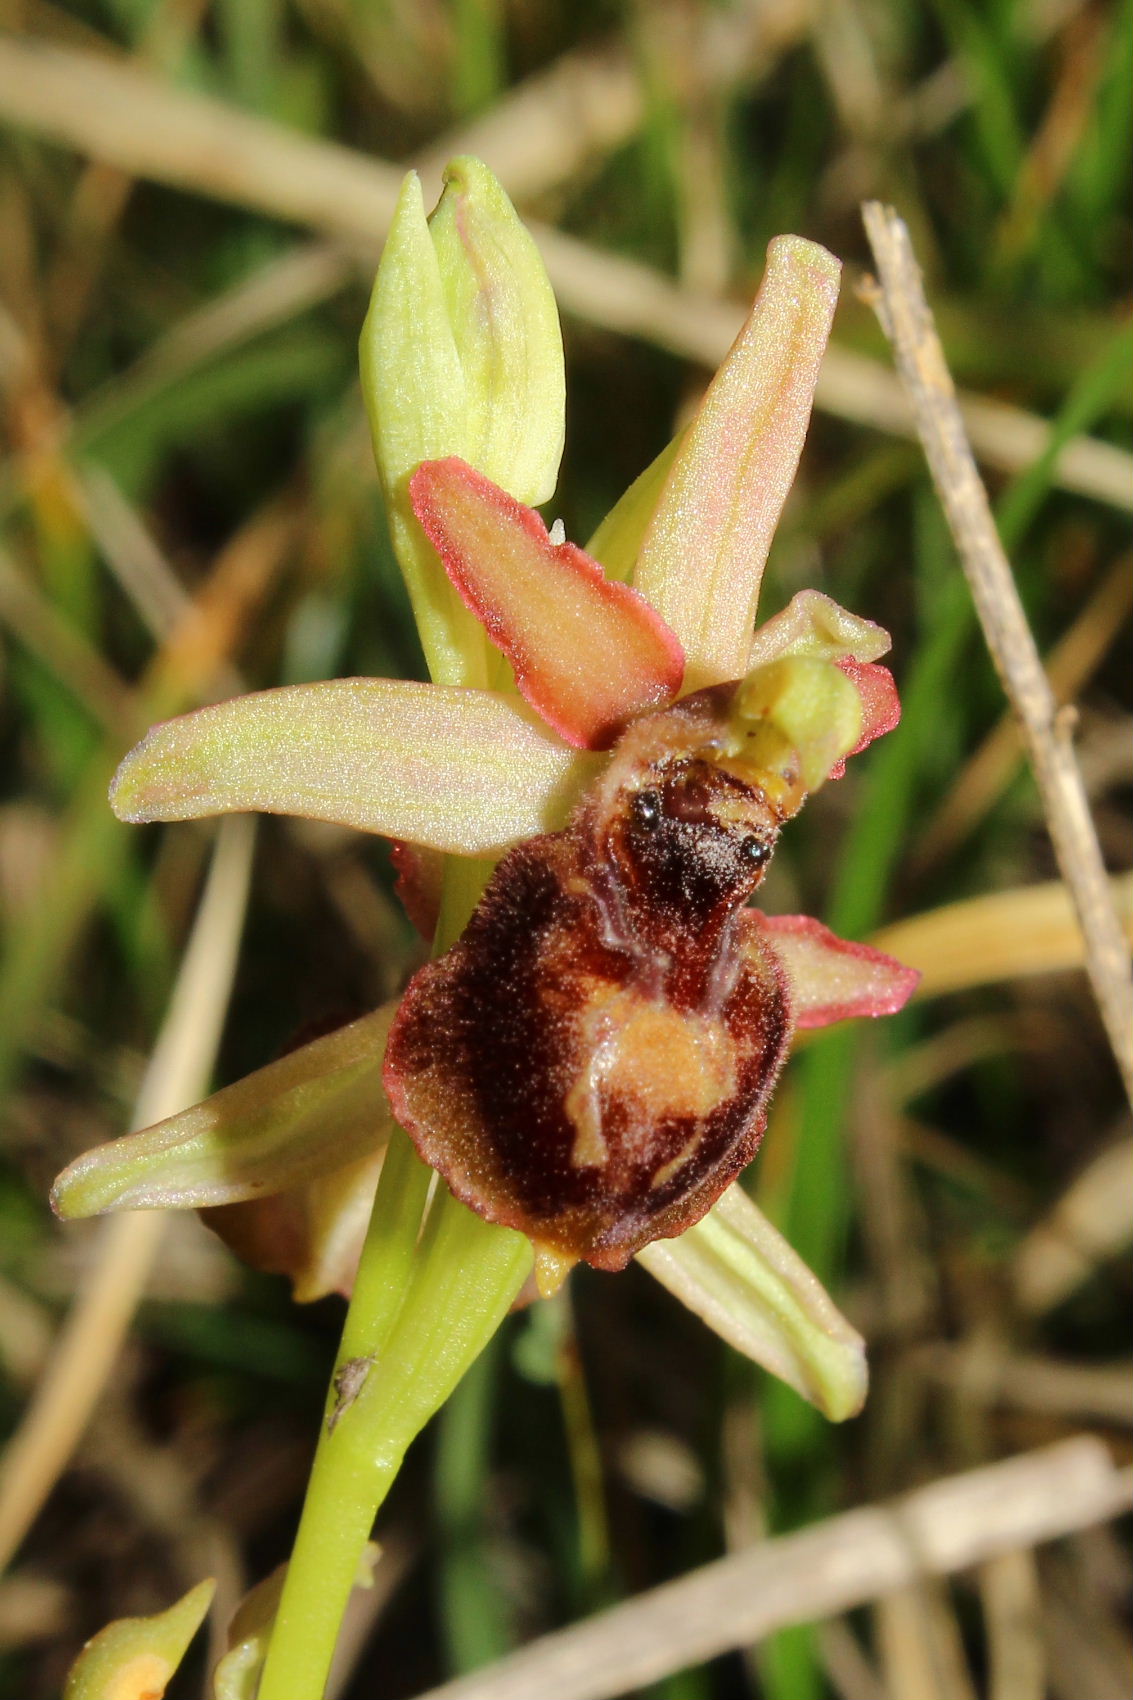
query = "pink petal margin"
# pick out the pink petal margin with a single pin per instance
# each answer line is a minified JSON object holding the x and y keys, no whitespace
{"x":587,"y":654}
{"x":420,"y":876}
{"x":881,"y":706}
{"x":833,"y":979}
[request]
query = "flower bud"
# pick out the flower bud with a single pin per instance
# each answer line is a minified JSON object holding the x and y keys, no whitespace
{"x":134,"y":1658}
{"x":461,"y":355}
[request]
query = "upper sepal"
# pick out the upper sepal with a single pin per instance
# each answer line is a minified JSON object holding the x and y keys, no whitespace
{"x":702,"y":559}
{"x":617,"y":541}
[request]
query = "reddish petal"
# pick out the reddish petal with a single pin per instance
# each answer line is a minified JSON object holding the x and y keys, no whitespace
{"x":832,"y":979}
{"x":587,"y":654}
{"x":420,"y":874}
{"x":881,"y":706}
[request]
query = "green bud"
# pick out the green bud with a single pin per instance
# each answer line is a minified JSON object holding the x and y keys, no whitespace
{"x":134,"y":1658}
{"x":461,"y":354}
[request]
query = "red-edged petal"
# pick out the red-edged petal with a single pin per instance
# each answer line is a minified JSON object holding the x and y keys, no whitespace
{"x":420,"y":875}
{"x":833,"y":979}
{"x":881,"y":706}
{"x":588,"y":655}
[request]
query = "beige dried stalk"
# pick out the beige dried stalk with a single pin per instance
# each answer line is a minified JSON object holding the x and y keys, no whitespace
{"x":844,"y":1561}
{"x":907,"y":320}
{"x":134,"y":121}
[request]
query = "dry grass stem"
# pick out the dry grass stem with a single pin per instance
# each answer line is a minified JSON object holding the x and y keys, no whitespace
{"x":850,"y":1671}
{"x":1069,"y":667}
{"x":1007,"y":438}
{"x":130,"y":119}
{"x":66,"y":653}
{"x":952,"y":1524}
{"x":893,"y":1227}
{"x":1088,"y":1649}
{"x":1005,"y":935}
{"x":178,"y":1072}
{"x":1012,"y":1604}
{"x":125,"y":116}
{"x":129,"y":550}
{"x":551,"y":127}
{"x":25,"y":1334}
{"x":922,"y":1653}
{"x":1077,"y":1393}
{"x":907,"y":320}
{"x":33,"y":1608}
{"x":271,"y":295}
{"x":1092,"y":1220}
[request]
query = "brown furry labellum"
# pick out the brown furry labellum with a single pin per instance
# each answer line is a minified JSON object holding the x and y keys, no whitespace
{"x":591,"y":1061}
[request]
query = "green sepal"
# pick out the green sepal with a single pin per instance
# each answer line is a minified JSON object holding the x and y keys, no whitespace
{"x":310,"y":1112}
{"x":618,"y":539}
{"x":739,"y":1274}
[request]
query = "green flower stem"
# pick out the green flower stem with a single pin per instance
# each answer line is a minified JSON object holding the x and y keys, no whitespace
{"x":339,"y":1508}
{"x":421,"y":1313}
{"x":465,"y":879}
{"x":386,"y":1264}
{"x":426,"y":1302}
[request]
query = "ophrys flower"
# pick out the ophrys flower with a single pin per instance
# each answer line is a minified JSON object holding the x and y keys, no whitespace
{"x":592,"y":1061}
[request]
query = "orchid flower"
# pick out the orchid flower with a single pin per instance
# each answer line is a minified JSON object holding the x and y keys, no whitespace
{"x":588,"y":1058}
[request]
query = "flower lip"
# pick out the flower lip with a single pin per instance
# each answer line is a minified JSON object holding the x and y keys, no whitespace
{"x":591,"y":1061}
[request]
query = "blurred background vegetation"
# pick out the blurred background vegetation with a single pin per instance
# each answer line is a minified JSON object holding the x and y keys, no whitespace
{"x":188,"y":507}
